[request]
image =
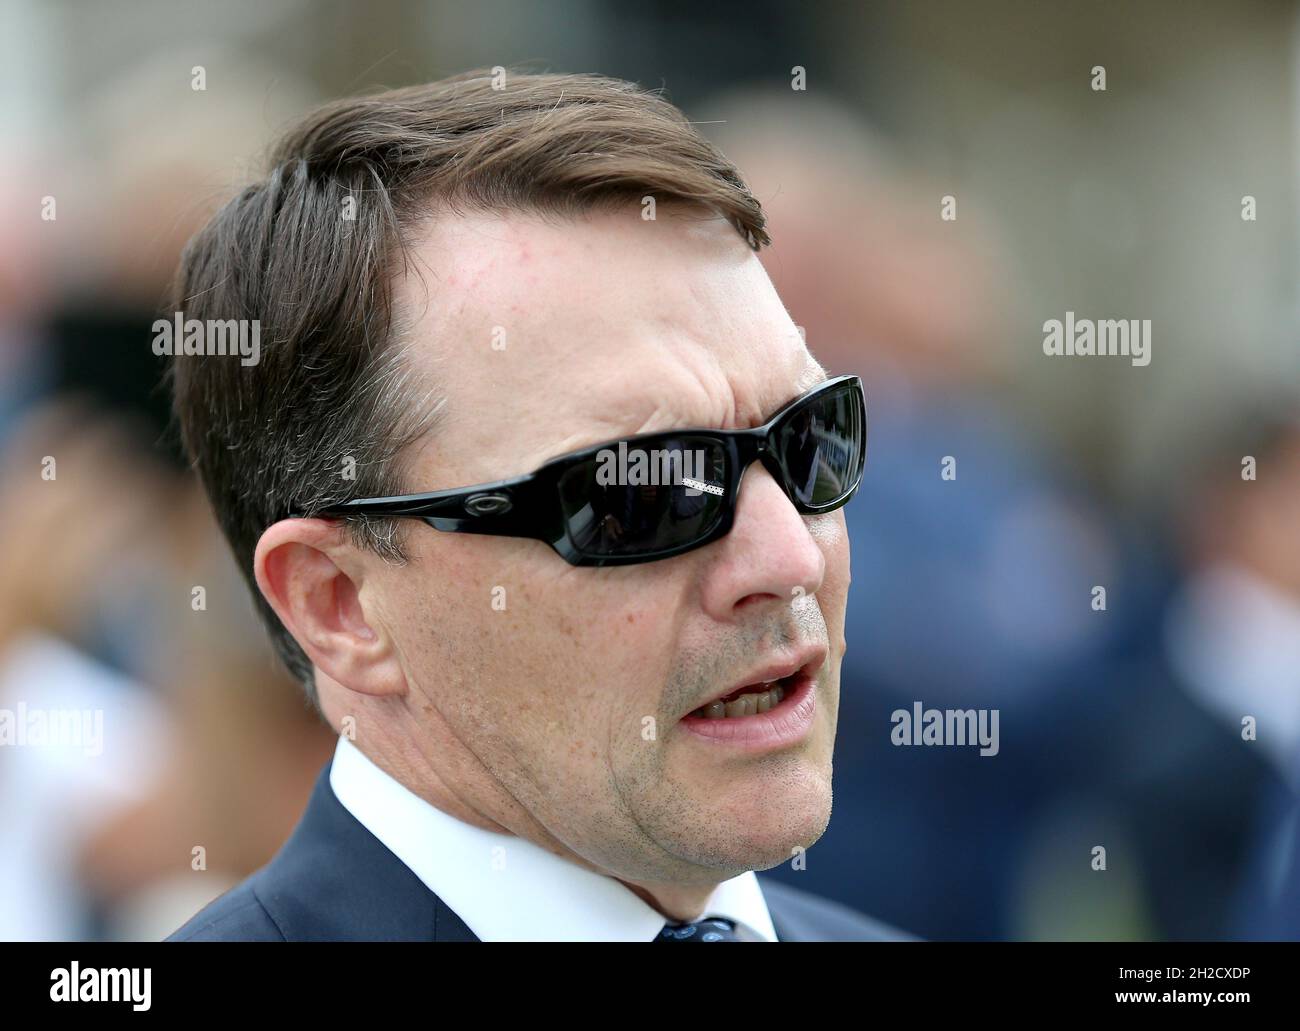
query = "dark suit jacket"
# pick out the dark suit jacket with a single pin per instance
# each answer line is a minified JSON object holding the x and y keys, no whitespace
{"x":335,"y":881}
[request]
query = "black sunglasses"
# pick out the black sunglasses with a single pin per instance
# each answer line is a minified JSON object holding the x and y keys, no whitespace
{"x":657,"y":495}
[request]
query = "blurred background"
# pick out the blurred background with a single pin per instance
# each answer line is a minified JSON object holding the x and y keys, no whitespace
{"x":1120,"y":727}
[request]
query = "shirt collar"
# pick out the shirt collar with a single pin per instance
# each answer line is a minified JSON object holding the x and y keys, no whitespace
{"x":507,"y":888}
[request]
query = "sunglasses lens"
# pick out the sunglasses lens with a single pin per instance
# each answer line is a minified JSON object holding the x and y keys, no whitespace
{"x":820,"y":447}
{"x":639,"y":499}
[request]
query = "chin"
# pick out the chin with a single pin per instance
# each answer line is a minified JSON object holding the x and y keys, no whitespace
{"x":770,"y":826}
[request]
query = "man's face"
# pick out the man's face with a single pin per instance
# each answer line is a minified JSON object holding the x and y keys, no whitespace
{"x":564,"y":688}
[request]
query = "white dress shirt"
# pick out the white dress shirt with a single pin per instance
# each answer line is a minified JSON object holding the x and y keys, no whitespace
{"x":507,"y":888}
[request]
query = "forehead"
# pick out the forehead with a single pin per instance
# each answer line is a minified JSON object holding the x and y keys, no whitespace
{"x":546,"y":335}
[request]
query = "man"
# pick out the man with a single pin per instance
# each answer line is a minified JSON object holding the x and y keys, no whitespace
{"x":582,"y":700}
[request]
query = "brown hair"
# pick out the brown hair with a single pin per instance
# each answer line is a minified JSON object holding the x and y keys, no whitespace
{"x":312,"y":252}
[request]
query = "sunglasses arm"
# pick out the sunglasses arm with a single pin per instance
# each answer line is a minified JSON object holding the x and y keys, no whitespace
{"x":510,"y":508}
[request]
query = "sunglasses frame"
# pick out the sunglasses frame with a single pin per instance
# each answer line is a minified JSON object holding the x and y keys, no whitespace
{"x":530,"y":506}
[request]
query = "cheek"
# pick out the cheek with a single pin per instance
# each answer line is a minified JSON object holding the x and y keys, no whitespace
{"x":832,"y":536}
{"x":510,"y":642}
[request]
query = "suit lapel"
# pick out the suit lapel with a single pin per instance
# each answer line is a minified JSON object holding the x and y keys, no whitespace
{"x":335,"y":881}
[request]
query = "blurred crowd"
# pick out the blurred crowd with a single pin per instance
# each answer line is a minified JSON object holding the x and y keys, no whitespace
{"x":118,"y":597}
{"x":1162,"y":729}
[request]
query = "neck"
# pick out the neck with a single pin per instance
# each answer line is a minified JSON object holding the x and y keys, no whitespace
{"x":495,"y":810}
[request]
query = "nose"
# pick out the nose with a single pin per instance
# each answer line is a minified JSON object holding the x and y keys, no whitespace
{"x":768,"y":558}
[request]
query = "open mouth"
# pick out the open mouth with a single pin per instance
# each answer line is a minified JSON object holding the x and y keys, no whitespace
{"x":747,"y":701}
{"x":775,"y":710}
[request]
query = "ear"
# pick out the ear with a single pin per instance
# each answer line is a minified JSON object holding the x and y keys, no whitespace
{"x":314,"y":579}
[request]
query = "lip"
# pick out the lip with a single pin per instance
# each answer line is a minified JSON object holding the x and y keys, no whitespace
{"x":808,"y":660}
{"x":780,"y":727}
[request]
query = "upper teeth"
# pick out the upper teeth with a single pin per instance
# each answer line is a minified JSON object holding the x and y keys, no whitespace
{"x":758,"y":699}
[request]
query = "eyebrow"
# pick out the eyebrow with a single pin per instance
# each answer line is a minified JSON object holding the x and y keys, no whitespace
{"x":813,"y":376}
